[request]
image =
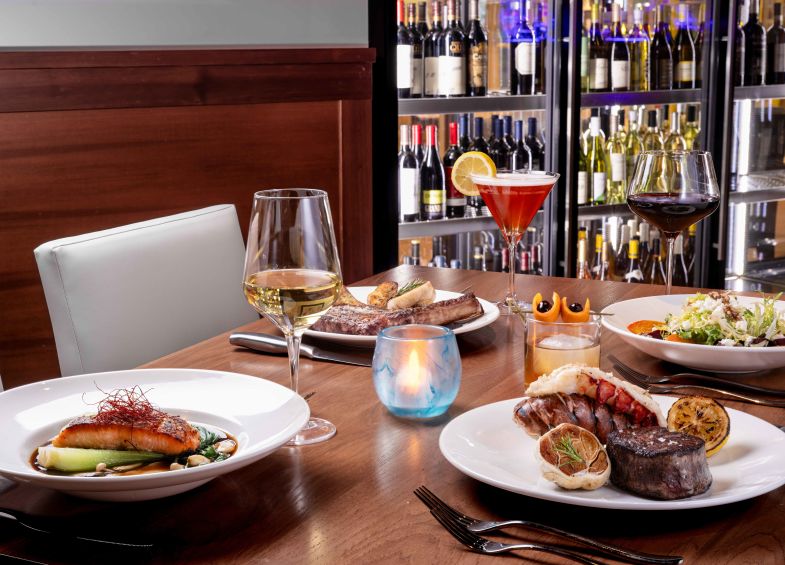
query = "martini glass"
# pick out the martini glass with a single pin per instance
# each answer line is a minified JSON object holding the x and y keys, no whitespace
{"x":513,"y":198}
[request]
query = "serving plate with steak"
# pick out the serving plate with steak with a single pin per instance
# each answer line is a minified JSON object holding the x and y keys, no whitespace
{"x":359,"y":324}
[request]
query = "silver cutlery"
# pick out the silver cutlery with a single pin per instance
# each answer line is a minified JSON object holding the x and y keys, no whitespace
{"x":477,"y":526}
{"x":697,"y":377}
{"x":484,"y":545}
{"x":665,"y":389}
{"x":25,"y":521}
{"x":276,"y":345}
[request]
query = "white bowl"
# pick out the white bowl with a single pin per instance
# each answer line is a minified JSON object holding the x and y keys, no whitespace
{"x":706,"y":357}
{"x":260,"y":414}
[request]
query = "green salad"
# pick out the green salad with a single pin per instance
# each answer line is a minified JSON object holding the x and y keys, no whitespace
{"x":717,"y":318}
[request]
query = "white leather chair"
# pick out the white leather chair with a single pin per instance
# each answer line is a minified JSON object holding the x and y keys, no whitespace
{"x":124,"y":296}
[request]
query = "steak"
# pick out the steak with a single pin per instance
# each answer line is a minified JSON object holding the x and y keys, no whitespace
{"x":538,"y":414}
{"x":368,"y":320}
{"x":656,"y":463}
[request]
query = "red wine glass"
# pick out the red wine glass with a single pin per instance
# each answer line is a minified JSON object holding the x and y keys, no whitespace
{"x":673,"y":190}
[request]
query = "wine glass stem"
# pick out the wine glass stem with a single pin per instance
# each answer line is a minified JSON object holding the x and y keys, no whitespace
{"x":293,"y":345}
{"x":669,"y":279}
{"x":511,"y":245}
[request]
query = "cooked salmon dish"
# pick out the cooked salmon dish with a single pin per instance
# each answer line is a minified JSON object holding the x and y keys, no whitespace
{"x":127,"y":421}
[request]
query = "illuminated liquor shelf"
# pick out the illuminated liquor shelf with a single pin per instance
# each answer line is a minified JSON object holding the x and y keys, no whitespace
{"x":464,"y":104}
{"x":603,"y":211}
{"x":449,"y":226}
{"x":759,"y":92}
{"x":598,"y":99}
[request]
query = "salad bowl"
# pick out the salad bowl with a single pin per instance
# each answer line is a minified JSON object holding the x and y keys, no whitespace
{"x":716,"y":358}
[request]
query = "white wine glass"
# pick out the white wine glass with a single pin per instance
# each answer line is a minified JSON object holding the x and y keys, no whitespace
{"x":292,"y":273}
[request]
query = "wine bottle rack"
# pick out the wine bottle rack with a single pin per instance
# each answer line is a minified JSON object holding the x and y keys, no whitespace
{"x":601,"y":211}
{"x":450,"y":226}
{"x":759,"y":92}
{"x":600,"y":99}
{"x":464,"y":104}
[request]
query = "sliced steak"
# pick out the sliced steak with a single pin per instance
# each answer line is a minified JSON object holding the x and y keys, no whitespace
{"x":656,"y":463}
{"x":368,"y":320}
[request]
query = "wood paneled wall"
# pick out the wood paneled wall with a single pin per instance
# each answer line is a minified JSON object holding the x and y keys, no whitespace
{"x":95,"y":139}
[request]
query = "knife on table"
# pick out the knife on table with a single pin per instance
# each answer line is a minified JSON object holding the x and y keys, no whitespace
{"x":276,"y":345}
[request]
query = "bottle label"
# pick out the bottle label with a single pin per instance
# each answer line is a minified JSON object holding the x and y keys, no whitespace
{"x":664,"y":74}
{"x":404,"y":65}
{"x":685,"y":71}
{"x":478,"y":65}
{"x":779,"y":58}
{"x":433,"y":201}
{"x":620,"y":75}
{"x":454,"y":197}
{"x":618,"y":167}
{"x":598,"y":74}
{"x":583,"y":187}
{"x":431,"y":76}
{"x":524,"y":58}
{"x":584,"y":56}
{"x":417,"y":77}
{"x":598,"y":187}
{"x":407,"y":192}
{"x":452,"y":76}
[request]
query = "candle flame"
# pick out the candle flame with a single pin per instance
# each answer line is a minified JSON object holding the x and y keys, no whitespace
{"x":413,"y":374}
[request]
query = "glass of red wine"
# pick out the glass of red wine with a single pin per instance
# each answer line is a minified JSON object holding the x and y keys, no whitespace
{"x":672,"y":190}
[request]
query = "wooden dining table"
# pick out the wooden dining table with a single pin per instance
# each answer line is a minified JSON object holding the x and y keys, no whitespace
{"x":350,"y":499}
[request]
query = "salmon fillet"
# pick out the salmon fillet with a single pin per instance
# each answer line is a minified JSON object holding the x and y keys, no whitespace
{"x":170,"y":435}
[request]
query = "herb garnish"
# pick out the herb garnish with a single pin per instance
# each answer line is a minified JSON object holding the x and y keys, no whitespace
{"x":409,"y":286}
{"x":567,"y":449}
{"x":207,"y":443}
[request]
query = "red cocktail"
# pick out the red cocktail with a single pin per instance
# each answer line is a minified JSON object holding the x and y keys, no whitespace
{"x":513,"y":199}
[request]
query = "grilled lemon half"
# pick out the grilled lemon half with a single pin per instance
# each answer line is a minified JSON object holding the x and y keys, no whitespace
{"x":701,"y":417}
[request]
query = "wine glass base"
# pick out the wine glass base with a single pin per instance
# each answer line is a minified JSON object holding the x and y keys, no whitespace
{"x":510,"y":307}
{"x":315,"y":431}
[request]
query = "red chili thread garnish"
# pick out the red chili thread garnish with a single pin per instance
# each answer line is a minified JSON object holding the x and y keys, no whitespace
{"x":128,"y":406}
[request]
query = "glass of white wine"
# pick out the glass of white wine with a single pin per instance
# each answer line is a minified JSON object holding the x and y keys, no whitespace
{"x":292,"y":273}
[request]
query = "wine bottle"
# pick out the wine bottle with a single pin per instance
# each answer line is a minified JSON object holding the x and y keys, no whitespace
{"x":684,"y":57}
{"x":585,"y":57}
{"x":605,"y":266}
{"x":431,"y":48}
{"x":655,"y":274}
{"x":432,"y":186}
{"x":633,"y":145}
{"x":498,"y":148}
{"x":478,"y":142}
{"x":535,"y":145}
{"x":583,"y":178}
{"x":597,"y":163}
{"x":616,"y":164}
{"x":522,"y":52}
{"x":598,"y":53}
{"x":520,"y":156}
{"x":754,"y":48}
{"x":644,"y":232}
{"x":419,"y":152}
{"x":417,"y":53}
{"x":639,"y":44}
{"x":634,"y":273}
{"x":408,"y":180}
{"x":652,"y":140}
{"x":689,"y":249}
{"x":540,"y":44}
{"x":675,"y":141}
{"x":596,"y":269}
{"x":422,"y":23}
{"x":414,"y":251}
{"x":456,"y":201}
{"x":464,"y":140}
{"x":403,"y":55}
{"x":660,"y":60}
{"x":692,"y":129}
{"x":739,"y":46}
{"x":622,"y":261}
{"x":452,"y":60}
{"x":494,"y":119}
{"x":775,"y":49}
{"x":478,"y":53}
{"x":699,"y":47}
{"x":499,"y":57}
{"x":680,"y":277}
{"x":619,"y":54}
{"x":583,"y":271}
{"x":507,"y":131}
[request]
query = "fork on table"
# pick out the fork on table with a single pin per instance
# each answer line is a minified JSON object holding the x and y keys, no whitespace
{"x":465,"y":529}
{"x":694,"y":376}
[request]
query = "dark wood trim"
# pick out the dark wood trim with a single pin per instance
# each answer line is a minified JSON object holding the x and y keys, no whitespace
{"x":49,"y":81}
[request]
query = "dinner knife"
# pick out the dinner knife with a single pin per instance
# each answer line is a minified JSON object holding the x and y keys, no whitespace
{"x":276,"y":345}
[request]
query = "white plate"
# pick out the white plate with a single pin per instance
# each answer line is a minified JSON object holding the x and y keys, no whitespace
{"x":490,"y":313}
{"x":707,"y":357}
{"x":262,"y":416}
{"x":486,"y":444}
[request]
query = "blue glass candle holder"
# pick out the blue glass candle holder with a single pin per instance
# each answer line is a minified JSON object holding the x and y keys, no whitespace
{"x":417,"y":370}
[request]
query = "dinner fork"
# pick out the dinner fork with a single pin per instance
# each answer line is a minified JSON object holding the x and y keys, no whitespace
{"x":483,"y":545}
{"x":477,"y":526}
{"x":705,"y":378}
{"x":665,"y":389}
